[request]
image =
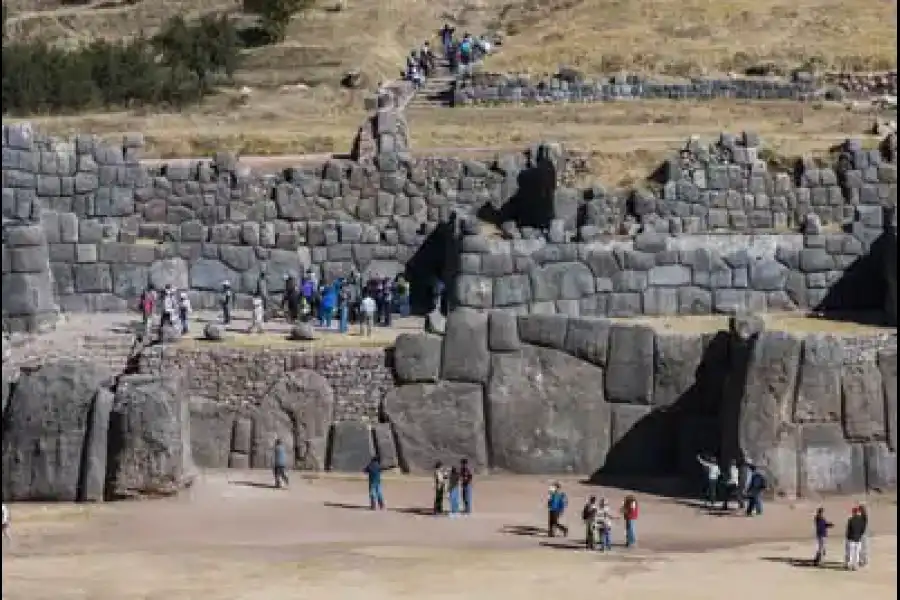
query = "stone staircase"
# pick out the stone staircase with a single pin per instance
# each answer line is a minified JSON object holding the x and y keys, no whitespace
{"x":437,"y":92}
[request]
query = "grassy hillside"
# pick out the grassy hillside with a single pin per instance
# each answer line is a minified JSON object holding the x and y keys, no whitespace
{"x":672,"y":37}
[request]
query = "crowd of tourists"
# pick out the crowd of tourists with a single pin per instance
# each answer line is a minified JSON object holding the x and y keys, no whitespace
{"x":331,"y":305}
{"x":461,"y":53}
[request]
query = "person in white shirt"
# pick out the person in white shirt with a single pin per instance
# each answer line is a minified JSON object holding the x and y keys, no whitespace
{"x":603,"y":522}
{"x":7,"y":534}
{"x":713,"y":472}
{"x":256,"y":325}
{"x":733,"y":486}
{"x":184,"y":311}
{"x":367,"y":307}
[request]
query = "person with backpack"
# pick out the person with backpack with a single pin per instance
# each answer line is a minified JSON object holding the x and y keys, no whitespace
{"x":821,"y":525}
{"x":756,"y":485}
{"x":630,"y":515}
{"x":556,"y":506}
{"x":589,"y":518}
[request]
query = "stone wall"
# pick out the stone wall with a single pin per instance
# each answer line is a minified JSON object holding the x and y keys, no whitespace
{"x":112,"y":225}
{"x":487,"y":88}
{"x":655,"y":274}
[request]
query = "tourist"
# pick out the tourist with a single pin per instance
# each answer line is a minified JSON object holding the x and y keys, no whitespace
{"x":453,"y":491}
{"x":732,"y":486}
{"x":291,"y":299}
{"x":262,"y":290}
{"x":440,"y":487}
{"x":279,"y":464}
{"x":308,"y":292}
{"x":589,"y":518}
{"x":403,"y":291}
{"x":465,"y":480}
{"x":557,"y":502}
{"x":821,"y":525}
{"x":258,"y":314}
{"x":438,"y":294}
{"x":329,"y":303}
{"x":373,"y":470}
{"x":7,"y":526}
{"x":345,"y":299}
{"x":630,"y":515}
{"x":604,"y":525}
{"x":367,"y":309}
{"x":756,"y":485}
{"x":856,"y":530}
{"x":227,"y":301}
{"x":446,"y":39}
{"x":713,"y":472}
{"x":387,"y":302}
{"x":169,"y":309}
{"x":184,"y":311}
{"x":148,"y":306}
{"x":864,"y":542}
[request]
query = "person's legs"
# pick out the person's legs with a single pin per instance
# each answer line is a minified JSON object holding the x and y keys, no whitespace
{"x":751,"y":505}
{"x":589,"y":536}
{"x":820,"y":550}
{"x":370,"y":324}
{"x":467,"y":499}
{"x":864,"y":551}
{"x":853,"y":555}
{"x":552,"y":523}
{"x":629,"y":534}
{"x":344,"y":318}
{"x":373,"y":496}
{"x":226,"y":314}
{"x":711,"y":492}
{"x":607,"y":539}
{"x":758,"y":504}
{"x":438,"y":500}
{"x":379,"y":497}
{"x":454,"y":501}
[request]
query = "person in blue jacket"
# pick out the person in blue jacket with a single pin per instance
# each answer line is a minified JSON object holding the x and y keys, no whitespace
{"x":329,"y":303}
{"x":556,"y":506}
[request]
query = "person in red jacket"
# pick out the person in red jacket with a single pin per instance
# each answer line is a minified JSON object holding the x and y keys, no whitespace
{"x":630,"y":515}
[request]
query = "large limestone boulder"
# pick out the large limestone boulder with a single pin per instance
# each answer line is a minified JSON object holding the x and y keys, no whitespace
{"x":54,"y":442}
{"x":299,"y":410}
{"x":212,"y":429}
{"x":466,"y":356}
{"x":149,"y":439}
{"x":438,"y":422}
{"x":887,"y":364}
{"x":352,"y":446}
{"x":819,"y":384}
{"x":547,"y":413}
{"x":417,"y":357}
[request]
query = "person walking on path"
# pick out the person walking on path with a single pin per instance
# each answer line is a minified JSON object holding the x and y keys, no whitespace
{"x":367,"y":309}
{"x":630,"y":515}
{"x":732,"y":486}
{"x":453,"y":491}
{"x":556,"y":506}
{"x":465,"y":480}
{"x":440,"y":488}
{"x":756,"y":485}
{"x":856,"y":529}
{"x":279,"y":464}
{"x":713,"y":472}
{"x":822,"y":525}
{"x":589,"y":518}
{"x":373,"y":470}
{"x":227,"y":302}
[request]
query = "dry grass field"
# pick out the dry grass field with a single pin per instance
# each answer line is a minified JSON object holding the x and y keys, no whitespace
{"x":660,"y":36}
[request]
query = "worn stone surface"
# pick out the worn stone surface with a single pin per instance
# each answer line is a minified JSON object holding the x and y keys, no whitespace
{"x":417,"y":358}
{"x":149,"y":438}
{"x":887,"y":364}
{"x":864,"y":405}
{"x":352,"y":446}
{"x":547,"y":413}
{"x":48,"y":432}
{"x":819,"y":382}
{"x":828,"y":464}
{"x":630,"y":367}
{"x":443,"y":422}
{"x":466,"y":356}
{"x":385,"y":447}
{"x":676,"y":362}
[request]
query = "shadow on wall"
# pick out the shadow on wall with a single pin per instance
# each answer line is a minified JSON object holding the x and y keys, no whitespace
{"x":658,"y":453}
{"x":436,"y":258}
{"x":859,"y":295}
{"x":533,"y":203}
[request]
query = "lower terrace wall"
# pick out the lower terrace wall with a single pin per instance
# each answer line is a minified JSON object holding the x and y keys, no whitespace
{"x":551,"y":394}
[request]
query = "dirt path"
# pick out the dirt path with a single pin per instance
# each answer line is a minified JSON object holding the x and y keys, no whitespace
{"x":233,"y":538}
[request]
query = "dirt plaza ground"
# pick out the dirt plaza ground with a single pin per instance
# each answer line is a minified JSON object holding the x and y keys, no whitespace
{"x":233,"y":537}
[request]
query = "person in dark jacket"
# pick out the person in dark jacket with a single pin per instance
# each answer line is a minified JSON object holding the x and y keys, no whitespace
{"x":373,"y":470}
{"x":556,"y":506}
{"x":755,"y":487}
{"x":856,"y":529}
{"x":822,"y":525}
{"x":465,"y":481}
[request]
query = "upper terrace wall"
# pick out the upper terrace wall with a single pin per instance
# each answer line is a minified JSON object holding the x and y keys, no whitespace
{"x":86,"y":225}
